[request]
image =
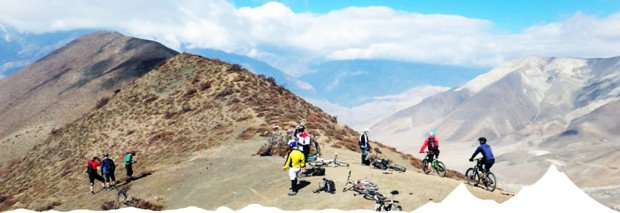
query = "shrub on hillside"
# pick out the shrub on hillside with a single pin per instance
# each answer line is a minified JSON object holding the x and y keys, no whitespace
{"x":102,"y":102}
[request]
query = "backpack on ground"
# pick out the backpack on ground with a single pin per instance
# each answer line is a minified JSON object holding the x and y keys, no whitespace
{"x":317,"y":171}
{"x":326,"y":185}
{"x":380,"y":164}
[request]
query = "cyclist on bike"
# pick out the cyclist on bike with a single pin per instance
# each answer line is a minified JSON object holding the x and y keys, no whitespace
{"x":432,"y":142}
{"x":487,"y":155}
{"x":294,"y":163}
{"x":364,"y":146}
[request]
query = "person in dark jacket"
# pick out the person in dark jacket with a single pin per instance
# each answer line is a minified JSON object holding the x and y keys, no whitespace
{"x":364,"y":146}
{"x":107,"y":168}
{"x":487,"y":155}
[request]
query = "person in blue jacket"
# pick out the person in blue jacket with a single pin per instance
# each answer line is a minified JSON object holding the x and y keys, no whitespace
{"x":487,"y":154}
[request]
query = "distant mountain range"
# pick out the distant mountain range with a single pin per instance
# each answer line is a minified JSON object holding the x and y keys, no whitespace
{"x":341,"y":84}
{"x":535,"y":111}
{"x":18,"y":50}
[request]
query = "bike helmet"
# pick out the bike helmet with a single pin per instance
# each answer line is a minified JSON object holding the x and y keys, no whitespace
{"x":432,"y":133}
{"x":366,"y":130}
{"x":133,"y":153}
{"x":292,"y":143}
{"x":106,"y":155}
{"x":482,"y":140}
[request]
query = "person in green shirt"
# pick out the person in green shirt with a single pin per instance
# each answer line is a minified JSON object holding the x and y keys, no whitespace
{"x":129,"y":161}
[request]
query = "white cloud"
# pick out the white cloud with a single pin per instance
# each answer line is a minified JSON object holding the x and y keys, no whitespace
{"x":289,"y":41}
{"x":367,"y":114}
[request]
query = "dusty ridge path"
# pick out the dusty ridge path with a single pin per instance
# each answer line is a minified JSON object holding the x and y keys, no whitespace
{"x":229,"y":176}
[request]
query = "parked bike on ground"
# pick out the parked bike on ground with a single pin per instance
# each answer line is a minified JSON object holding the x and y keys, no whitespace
{"x":384,"y":164}
{"x":319,"y":162}
{"x":383,"y":204}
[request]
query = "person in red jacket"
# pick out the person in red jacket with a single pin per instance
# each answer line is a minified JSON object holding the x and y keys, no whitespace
{"x":432,"y":142}
{"x":91,"y":170}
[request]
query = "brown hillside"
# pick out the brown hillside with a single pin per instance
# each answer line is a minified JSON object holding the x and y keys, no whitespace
{"x":68,"y":83}
{"x":195,"y":124}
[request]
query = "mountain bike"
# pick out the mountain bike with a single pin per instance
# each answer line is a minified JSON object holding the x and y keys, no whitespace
{"x":438,"y":166}
{"x":319,"y":162}
{"x":475,"y":175}
{"x":363,"y":187}
{"x":385,"y":164}
{"x":390,"y":205}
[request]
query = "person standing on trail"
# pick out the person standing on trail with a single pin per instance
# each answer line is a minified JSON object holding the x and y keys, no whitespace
{"x":107,"y":168}
{"x":364,"y":146}
{"x":304,"y":141}
{"x":91,"y":170}
{"x":295,"y":163}
{"x":129,"y":161}
{"x":432,"y":142}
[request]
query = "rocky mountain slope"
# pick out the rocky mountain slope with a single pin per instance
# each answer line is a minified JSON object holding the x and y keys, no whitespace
{"x":196,"y":124}
{"x":535,"y":111}
{"x":68,"y":83}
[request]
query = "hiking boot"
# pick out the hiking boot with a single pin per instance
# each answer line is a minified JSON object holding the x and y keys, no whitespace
{"x":292,"y":193}
{"x":92,"y":192}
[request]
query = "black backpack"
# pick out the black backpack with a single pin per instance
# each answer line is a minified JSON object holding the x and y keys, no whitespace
{"x":108,"y":166}
{"x":432,"y":144}
{"x":326,"y":185}
{"x":381,"y":164}
{"x":317,"y":171}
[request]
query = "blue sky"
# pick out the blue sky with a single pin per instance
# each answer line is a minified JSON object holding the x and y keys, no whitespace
{"x":511,"y":15}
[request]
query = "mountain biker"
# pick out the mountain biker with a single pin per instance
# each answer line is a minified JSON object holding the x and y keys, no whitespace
{"x":432,"y":142}
{"x":107,"y":168}
{"x":304,"y":141}
{"x":295,"y":163}
{"x":487,"y":155}
{"x":91,"y":170}
{"x":364,"y":146}
{"x":129,"y":161}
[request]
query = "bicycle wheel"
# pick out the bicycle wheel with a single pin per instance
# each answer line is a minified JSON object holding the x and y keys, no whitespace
{"x":425,"y":167}
{"x":491,"y":182}
{"x":340,"y":163}
{"x":398,"y":168}
{"x":470,"y":176}
{"x":441,"y":169}
{"x":394,"y":207}
{"x":317,"y":163}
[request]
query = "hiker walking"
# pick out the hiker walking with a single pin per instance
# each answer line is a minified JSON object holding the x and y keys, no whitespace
{"x":129,"y":161}
{"x":364,"y":146}
{"x":91,"y":170}
{"x":295,"y":163}
{"x":107,"y":168}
